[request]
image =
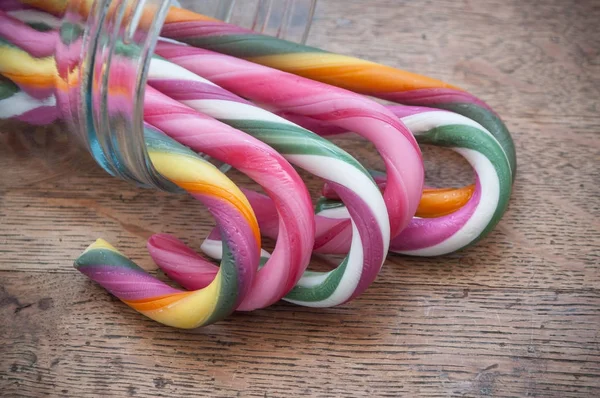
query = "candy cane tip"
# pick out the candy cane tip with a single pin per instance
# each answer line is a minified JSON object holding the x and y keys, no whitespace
{"x":159,"y":239}
{"x":100,"y":244}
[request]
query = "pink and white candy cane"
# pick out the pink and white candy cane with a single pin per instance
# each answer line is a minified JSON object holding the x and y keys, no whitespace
{"x":283,"y":92}
{"x":202,"y":133}
{"x":366,"y":218}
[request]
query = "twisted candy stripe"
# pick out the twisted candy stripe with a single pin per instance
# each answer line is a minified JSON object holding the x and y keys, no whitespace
{"x":343,"y":71}
{"x":236,"y":222}
{"x":254,"y":158}
{"x":449,"y":232}
{"x":237,"y":225}
{"x":288,"y":93}
{"x":350,"y":73}
{"x":445,"y":233}
{"x":349,"y":179}
{"x":27,"y":72}
{"x":17,"y":104}
{"x":292,"y":251}
{"x":423,"y":237}
{"x":283,"y":92}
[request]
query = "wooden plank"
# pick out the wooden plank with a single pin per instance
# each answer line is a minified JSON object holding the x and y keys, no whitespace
{"x":397,"y":339}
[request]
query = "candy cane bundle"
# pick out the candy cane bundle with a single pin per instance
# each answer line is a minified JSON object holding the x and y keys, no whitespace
{"x":262,"y":105}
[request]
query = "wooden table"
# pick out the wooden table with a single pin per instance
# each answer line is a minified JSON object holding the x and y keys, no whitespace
{"x":517,"y":315}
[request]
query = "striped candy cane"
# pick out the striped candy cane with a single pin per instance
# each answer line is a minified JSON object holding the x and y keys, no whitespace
{"x":289,"y":93}
{"x":444,"y":234}
{"x":131,"y":284}
{"x":254,"y":158}
{"x":484,"y":208}
{"x":351,"y":73}
{"x":370,"y":225}
{"x":435,"y":236}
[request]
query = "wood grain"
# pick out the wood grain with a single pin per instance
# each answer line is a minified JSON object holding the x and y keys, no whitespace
{"x":518,"y":315}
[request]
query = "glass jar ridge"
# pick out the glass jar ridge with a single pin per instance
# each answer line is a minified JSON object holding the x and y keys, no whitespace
{"x":103,"y":57}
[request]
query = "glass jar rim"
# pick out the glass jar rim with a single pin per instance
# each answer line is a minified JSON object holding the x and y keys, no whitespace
{"x":96,"y":32}
{"x":108,"y":121}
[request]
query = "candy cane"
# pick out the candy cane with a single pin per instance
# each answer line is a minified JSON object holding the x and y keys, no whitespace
{"x":446,"y":232}
{"x":343,"y":71}
{"x":286,"y":92}
{"x":351,"y":73}
{"x":135,"y":287}
{"x":293,"y":249}
{"x":441,"y":235}
{"x":435,"y":236}
{"x":483,"y":210}
{"x":308,"y":151}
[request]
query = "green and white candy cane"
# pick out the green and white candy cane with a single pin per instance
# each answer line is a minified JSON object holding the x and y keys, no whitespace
{"x":462,"y":228}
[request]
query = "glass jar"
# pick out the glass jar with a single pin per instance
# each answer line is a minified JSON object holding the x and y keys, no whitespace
{"x":92,"y":32}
